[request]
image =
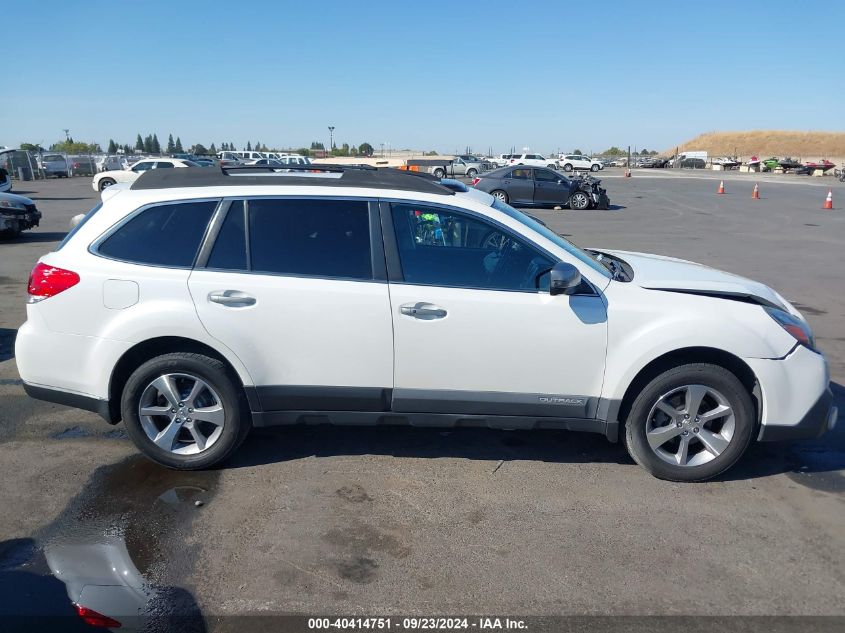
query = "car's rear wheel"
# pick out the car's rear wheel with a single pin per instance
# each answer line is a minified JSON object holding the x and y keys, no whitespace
{"x":690,"y":423}
{"x":552,"y":166}
{"x":594,"y":167}
{"x":500,"y":195}
{"x":185,"y":411}
{"x":439,"y":173}
{"x":567,"y":167}
{"x":579,"y":201}
{"x":472,"y":173}
{"x":105,"y":183}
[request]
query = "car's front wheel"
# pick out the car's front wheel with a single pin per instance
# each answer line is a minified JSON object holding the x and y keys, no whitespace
{"x":105,"y":183}
{"x":185,"y":410}
{"x":690,"y":423}
{"x":579,"y":201}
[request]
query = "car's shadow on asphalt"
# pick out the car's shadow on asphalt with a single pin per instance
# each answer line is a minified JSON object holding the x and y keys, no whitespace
{"x":813,"y":463}
{"x":7,"y":343}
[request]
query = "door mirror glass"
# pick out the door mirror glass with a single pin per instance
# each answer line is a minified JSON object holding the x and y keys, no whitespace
{"x":564,"y":279}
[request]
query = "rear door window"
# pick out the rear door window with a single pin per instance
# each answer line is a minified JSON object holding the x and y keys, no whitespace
{"x":162,"y":235}
{"x":521,"y":174}
{"x":310,"y":237}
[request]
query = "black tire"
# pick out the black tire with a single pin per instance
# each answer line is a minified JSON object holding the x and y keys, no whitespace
{"x":594,"y":167}
{"x":706,"y":374}
{"x":472,"y":173}
{"x":501,"y":195}
{"x":439,"y":173}
{"x":10,"y":234}
{"x":237,"y":422}
{"x":552,"y":166}
{"x":105,"y":183}
{"x":579,"y":201}
{"x":567,"y":167}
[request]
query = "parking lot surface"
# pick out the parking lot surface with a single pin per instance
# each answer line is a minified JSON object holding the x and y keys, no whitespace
{"x":412,"y":521}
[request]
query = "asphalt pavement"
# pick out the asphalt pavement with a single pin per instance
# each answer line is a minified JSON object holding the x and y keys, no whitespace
{"x":378,"y":521}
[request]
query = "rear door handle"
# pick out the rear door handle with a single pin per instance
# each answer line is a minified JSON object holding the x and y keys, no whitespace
{"x":231,"y":298}
{"x":422,"y":310}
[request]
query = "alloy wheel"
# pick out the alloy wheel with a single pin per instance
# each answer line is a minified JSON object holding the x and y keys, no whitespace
{"x":181,"y":414}
{"x":579,"y":201}
{"x":690,"y":425}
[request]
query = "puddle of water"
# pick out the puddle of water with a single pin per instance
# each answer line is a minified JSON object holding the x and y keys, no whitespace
{"x":119,"y":547}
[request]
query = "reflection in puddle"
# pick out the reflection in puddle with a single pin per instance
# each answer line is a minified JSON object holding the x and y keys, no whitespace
{"x":119,"y":550}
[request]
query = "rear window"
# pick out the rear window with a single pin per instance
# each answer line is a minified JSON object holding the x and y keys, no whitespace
{"x":163,"y":235}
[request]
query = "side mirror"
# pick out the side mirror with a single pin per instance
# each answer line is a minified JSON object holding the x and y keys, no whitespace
{"x":564,"y":279}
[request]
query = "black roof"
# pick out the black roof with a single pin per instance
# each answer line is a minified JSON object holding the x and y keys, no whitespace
{"x":293,"y":175}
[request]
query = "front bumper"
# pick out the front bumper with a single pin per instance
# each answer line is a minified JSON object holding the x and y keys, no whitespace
{"x":820,"y":418}
{"x":22,"y":220}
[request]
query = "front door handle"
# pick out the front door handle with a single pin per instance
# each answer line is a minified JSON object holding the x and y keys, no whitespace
{"x":231,"y":298}
{"x":423,"y":311}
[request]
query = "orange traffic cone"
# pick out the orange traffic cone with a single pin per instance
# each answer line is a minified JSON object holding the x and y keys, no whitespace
{"x":755,"y":195}
{"x":721,"y":187}
{"x":828,"y":203}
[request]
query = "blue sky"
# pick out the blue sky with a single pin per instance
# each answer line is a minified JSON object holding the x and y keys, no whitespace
{"x":425,"y":75}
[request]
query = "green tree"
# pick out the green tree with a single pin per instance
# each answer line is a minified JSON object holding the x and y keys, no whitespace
{"x":178,"y":147}
{"x":613,"y":151}
{"x":156,"y":145}
{"x":645,"y":152}
{"x":148,"y":144}
{"x":199,"y":150}
{"x":212,"y":149}
{"x":171,"y":146}
{"x":139,"y":144}
{"x":258,"y":146}
{"x":365,"y":149}
{"x":31,"y":147}
{"x":431,"y":153}
{"x":248,"y":146}
{"x":303,"y":151}
{"x":577,"y":151}
{"x":317,"y":145}
{"x":112,"y":147}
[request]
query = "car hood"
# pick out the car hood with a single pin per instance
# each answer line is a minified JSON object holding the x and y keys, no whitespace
{"x":657,"y":272}
{"x":13,"y":197}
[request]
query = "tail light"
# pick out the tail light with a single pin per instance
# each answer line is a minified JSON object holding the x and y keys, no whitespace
{"x":94,"y":618}
{"x":475,"y":181}
{"x":47,"y":281}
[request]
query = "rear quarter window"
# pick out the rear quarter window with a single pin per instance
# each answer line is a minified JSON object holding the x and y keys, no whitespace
{"x":162,"y":235}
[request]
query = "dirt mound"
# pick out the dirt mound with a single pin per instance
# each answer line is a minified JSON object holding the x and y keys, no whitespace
{"x":764,"y":143}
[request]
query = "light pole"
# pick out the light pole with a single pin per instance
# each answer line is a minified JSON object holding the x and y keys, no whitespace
{"x":331,"y":138}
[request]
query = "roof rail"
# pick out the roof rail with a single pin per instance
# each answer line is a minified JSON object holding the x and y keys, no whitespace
{"x":335,"y":176}
{"x":312,"y":167}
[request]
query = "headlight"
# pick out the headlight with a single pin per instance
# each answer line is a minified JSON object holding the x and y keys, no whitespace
{"x":10,"y":204}
{"x":799,"y":330}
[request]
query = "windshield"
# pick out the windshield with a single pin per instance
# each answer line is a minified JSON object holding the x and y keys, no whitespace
{"x":550,"y":235}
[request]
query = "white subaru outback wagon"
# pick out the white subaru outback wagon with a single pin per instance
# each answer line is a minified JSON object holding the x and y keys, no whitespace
{"x":198,"y":303}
